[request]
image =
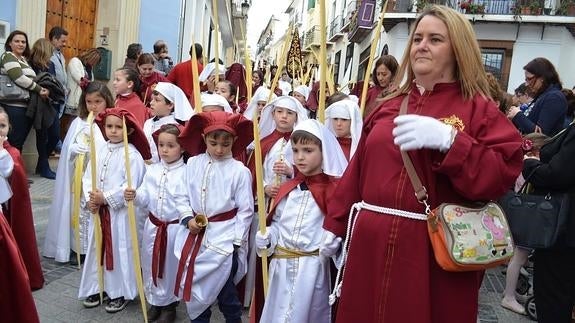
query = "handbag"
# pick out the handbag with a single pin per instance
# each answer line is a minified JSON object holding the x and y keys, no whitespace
{"x":536,"y":220}
{"x":463,"y":237}
{"x":10,"y":91}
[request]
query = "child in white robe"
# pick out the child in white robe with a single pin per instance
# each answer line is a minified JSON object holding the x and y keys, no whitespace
{"x":169,"y":105}
{"x":159,"y":263}
{"x":60,"y":236}
{"x":108,"y":200}
{"x":215,"y":204}
{"x":299,"y":277}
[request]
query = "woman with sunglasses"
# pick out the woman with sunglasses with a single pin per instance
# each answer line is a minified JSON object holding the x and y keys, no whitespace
{"x":547,"y":114}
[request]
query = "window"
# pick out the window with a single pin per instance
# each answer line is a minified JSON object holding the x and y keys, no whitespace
{"x":363,"y":60}
{"x":496,"y":57}
{"x":348,"y":54}
{"x":336,"y":66}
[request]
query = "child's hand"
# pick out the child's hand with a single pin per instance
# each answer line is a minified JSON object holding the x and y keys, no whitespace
{"x":271,"y":190}
{"x":93,"y":207}
{"x":193,"y":226}
{"x":211,"y":83}
{"x":97,"y":198}
{"x":129,"y":194}
{"x":282,"y":168}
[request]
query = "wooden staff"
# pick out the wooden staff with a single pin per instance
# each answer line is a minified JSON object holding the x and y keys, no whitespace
{"x":281,"y":62}
{"x":95,"y":215}
{"x":261,"y":198}
{"x":216,"y":43}
{"x":132,"y":219}
{"x":195,"y":80}
{"x":377,"y":35}
{"x":248,"y":65}
{"x":322,"y":62}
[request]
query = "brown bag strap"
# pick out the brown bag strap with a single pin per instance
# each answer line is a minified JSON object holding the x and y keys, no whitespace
{"x":420,"y":191}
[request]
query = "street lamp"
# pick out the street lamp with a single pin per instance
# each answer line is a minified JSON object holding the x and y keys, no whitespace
{"x":245,"y":7}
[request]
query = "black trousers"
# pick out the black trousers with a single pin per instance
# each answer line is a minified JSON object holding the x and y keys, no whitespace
{"x":554,"y":284}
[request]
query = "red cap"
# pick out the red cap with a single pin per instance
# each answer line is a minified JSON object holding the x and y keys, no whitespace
{"x":136,"y":138}
{"x":200,"y":124}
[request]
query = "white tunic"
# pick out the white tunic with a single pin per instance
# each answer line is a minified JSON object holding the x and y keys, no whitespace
{"x":298,"y":287}
{"x":281,"y":150}
{"x":152,"y":125}
{"x":227,"y":185}
{"x":155,"y":197}
{"x":60,"y":233}
{"x":111,"y":175}
{"x":6,"y":168}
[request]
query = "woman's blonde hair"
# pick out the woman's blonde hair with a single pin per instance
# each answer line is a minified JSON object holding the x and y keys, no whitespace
{"x":41,"y":53}
{"x":469,"y":70}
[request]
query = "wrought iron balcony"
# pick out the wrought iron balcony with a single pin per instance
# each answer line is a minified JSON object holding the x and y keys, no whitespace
{"x":335,"y":28}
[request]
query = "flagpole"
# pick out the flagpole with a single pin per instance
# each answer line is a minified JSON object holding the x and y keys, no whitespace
{"x":132,"y":219}
{"x":377,"y":35}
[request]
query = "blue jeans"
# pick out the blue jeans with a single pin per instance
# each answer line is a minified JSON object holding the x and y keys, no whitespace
{"x":228,"y":299}
{"x":20,"y":126}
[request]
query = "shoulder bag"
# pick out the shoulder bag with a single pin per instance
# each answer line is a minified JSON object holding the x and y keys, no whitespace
{"x":536,"y":220}
{"x":463,"y":237}
{"x":10,"y":91}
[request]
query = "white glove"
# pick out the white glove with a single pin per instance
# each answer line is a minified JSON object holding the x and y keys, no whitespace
{"x":330,"y":245}
{"x":77,"y":148}
{"x":262,"y":240}
{"x":415,"y":132}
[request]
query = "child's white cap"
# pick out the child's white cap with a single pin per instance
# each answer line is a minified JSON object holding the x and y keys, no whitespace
{"x":182,"y":108}
{"x":349,"y":110}
{"x":216,"y":99}
{"x":267,"y":123}
{"x":303,"y":90}
{"x":210,"y":70}
{"x":262,"y":94}
{"x":333,"y":159}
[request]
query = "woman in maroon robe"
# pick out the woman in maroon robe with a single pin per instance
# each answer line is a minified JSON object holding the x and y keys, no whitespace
{"x":148,"y":77}
{"x":18,"y":212}
{"x":463,"y":149}
{"x":16,"y":301}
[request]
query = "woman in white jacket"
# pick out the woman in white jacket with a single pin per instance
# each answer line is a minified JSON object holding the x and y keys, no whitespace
{"x":79,"y":70}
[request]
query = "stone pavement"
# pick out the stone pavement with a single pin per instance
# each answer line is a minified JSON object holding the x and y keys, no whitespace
{"x":58,"y":302}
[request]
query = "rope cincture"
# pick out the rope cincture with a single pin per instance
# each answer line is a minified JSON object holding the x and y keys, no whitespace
{"x":355,"y":208}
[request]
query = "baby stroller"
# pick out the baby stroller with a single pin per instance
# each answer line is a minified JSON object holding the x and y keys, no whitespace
{"x":524,"y":293}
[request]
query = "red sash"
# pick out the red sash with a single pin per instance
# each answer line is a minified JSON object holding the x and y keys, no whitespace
{"x":106,"y":227}
{"x":195,"y":240}
{"x":160,"y":245}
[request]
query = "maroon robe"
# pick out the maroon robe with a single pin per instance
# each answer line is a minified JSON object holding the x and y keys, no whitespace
{"x":345,"y":144}
{"x":134,"y":105}
{"x":18,"y":213}
{"x":16,"y":301}
{"x":148,"y":85}
{"x":391,"y":274}
{"x":321,"y":187}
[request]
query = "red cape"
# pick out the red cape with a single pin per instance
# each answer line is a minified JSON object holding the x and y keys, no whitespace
{"x":16,"y":301}
{"x":19,"y":215}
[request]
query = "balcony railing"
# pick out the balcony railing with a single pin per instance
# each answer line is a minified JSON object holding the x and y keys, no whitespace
{"x":312,"y":37}
{"x":487,"y":7}
{"x":348,"y":14}
{"x":335,"y":28}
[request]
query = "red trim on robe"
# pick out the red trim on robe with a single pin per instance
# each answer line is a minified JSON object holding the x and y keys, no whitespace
{"x":345,"y":144}
{"x":134,"y":105}
{"x":19,"y":215}
{"x":16,"y":301}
